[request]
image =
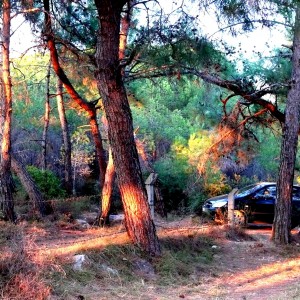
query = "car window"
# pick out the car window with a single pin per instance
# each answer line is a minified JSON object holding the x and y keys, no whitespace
{"x":269,"y":191}
{"x":246,"y":190}
{"x":296,"y":194}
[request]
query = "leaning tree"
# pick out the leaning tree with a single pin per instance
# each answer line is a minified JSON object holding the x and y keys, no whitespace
{"x":139,"y":224}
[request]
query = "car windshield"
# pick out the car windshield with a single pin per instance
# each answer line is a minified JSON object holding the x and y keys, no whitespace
{"x":247,"y":190}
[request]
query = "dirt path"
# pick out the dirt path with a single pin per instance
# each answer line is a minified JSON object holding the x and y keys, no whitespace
{"x":257,"y":270}
{"x":253,"y":270}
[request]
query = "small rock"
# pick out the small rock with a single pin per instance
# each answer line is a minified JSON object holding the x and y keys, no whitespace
{"x":83,"y":223}
{"x":116,"y":218}
{"x":79,"y":260}
{"x":144,"y":269}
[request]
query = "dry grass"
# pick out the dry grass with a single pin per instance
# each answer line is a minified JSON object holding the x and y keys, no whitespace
{"x":22,"y":274}
{"x":197,"y":262}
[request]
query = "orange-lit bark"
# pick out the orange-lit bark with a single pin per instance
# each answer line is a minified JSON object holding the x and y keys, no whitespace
{"x":139,"y":225}
{"x":142,"y":152}
{"x":110,"y":171}
{"x":107,"y":191}
{"x":87,"y":106}
{"x":7,"y":203}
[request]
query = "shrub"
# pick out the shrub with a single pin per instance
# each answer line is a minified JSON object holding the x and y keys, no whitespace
{"x":48,"y":183}
{"x":173,"y":176}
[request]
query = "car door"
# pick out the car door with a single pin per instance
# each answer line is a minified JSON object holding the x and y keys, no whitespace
{"x":296,"y":206}
{"x":261,"y":204}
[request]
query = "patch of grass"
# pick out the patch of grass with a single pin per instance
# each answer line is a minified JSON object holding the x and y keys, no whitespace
{"x":73,"y":206}
{"x":183,"y":261}
{"x":116,"y":262}
{"x":20,"y":272}
{"x":183,"y":257}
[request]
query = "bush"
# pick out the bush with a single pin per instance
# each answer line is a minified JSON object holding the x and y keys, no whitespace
{"x":48,"y":183}
{"x":173,"y":176}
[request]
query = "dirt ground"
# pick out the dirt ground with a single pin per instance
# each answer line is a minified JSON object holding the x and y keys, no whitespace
{"x":246,"y":268}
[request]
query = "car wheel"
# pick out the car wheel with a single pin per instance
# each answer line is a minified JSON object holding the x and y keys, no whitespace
{"x":239,"y":218}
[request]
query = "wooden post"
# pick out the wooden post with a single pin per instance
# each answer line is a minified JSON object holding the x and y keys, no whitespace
{"x":150,"y":191}
{"x":231,"y":207}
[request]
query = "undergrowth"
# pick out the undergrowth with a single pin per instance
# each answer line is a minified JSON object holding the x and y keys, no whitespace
{"x":21,"y":272}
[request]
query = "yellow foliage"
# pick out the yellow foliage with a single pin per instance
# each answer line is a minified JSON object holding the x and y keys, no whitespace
{"x":90,"y":82}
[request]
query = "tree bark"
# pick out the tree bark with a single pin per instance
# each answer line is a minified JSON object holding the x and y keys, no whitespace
{"x":44,"y":208}
{"x":110,"y":175}
{"x":106,"y":195}
{"x":282,"y":220}
{"x":46,"y":121}
{"x":7,"y":203}
{"x":66,"y":151}
{"x":139,"y":225}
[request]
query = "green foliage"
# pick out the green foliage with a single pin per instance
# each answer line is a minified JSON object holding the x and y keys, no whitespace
{"x":173,"y":176}
{"x":77,"y":23}
{"x":268,"y":155}
{"x":274,"y":71}
{"x":74,"y":206}
{"x":189,"y":175}
{"x":29,"y":88}
{"x":48,"y":182}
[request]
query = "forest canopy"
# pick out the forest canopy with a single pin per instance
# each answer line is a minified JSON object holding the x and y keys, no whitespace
{"x":181,"y":117}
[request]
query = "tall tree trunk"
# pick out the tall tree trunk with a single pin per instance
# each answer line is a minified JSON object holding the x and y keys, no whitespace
{"x":106,"y":196}
{"x":7,"y":203}
{"x":35,"y":195}
{"x":46,"y":120}
{"x":66,"y":138}
{"x":87,"y":106}
{"x":103,"y":218}
{"x":139,"y":224}
{"x":282,"y":221}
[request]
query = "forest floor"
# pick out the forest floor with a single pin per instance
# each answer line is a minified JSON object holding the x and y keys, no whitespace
{"x":199,"y":261}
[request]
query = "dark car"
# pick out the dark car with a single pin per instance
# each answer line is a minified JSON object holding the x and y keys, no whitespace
{"x":253,"y":204}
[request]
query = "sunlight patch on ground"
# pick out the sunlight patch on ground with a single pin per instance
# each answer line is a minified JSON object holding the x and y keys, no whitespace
{"x":270,"y":275}
{"x":77,"y":244}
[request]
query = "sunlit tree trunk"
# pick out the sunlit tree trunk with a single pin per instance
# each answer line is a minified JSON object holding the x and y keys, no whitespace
{"x":46,"y":121}
{"x":87,"y":106}
{"x":106,"y":196}
{"x":103,"y":218}
{"x":7,"y":203}
{"x":138,"y":221}
{"x":282,"y":220}
{"x":66,"y":151}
